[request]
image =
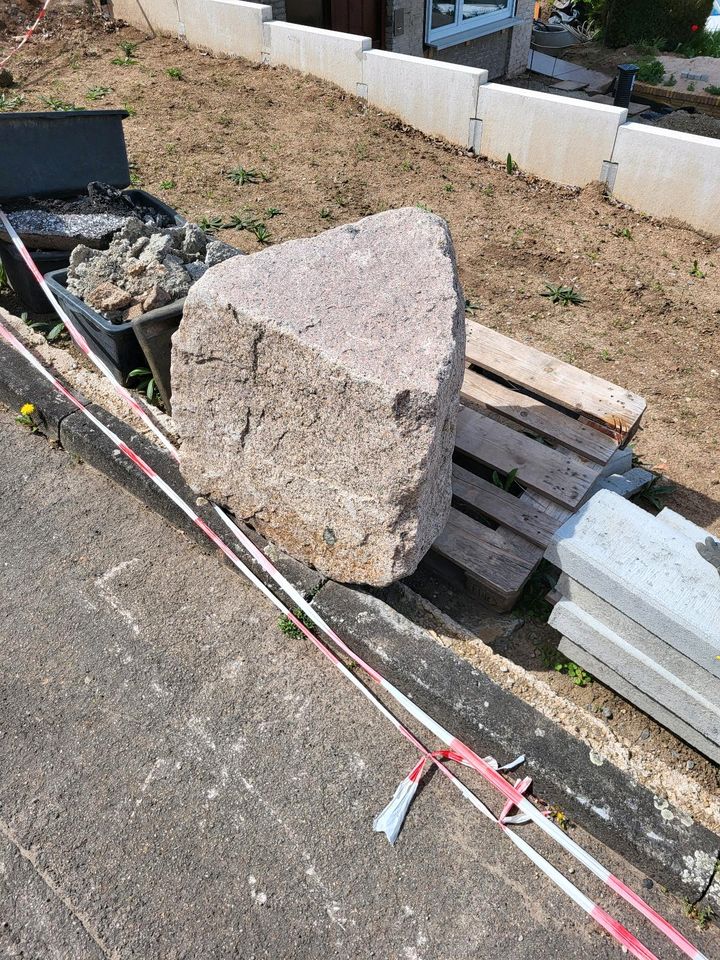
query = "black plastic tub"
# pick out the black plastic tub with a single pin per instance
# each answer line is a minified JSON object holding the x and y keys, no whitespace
{"x":50,"y":261}
{"x":117,"y":343}
{"x":57,"y":154}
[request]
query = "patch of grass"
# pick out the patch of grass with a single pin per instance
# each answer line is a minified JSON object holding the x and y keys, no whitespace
{"x":243,"y":175}
{"x":131,"y":111}
{"x":175,"y":73}
{"x":146,"y":383}
{"x":625,"y":233}
{"x":210,"y":224}
{"x":701,"y":915}
{"x":97,"y":93}
{"x":326,"y":213}
{"x":8,"y":102}
{"x":558,"y":293}
{"x":288,"y":627}
{"x":713,"y":90}
{"x":58,"y":105}
{"x":167,"y":184}
{"x":691,"y":87}
{"x":650,"y":71}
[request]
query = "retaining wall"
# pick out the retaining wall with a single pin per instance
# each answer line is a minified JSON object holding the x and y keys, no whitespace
{"x":669,"y":174}
{"x":661,"y":172}
{"x":333,"y":56}
{"x":558,"y":138}
{"x":436,"y":97}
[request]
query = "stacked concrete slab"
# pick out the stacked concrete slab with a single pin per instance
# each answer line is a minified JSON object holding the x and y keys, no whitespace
{"x":640,"y":610}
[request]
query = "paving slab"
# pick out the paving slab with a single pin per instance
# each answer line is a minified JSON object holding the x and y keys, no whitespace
{"x":647,"y":570}
{"x":660,"y":679}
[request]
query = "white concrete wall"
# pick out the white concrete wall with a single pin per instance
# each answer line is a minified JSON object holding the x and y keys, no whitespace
{"x":436,"y":97}
{"x":669,"y":174}
{"x":333,"y":56}
{"x":152,"y":16}
{"x":226,"y":26}
{"x":558,"y":138}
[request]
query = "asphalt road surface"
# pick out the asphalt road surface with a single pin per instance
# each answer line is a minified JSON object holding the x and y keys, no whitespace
{"x":178,"y":779}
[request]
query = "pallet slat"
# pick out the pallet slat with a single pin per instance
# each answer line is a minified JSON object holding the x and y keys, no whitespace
{"x":504,"y":508}
{"x":560,"y":476}
{"x":553,"y":379}
{"x":499,"y":560}
{"x":538,"y":417}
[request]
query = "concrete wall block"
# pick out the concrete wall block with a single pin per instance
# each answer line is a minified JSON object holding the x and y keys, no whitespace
{"x":645,"y":569}
{"x":226,"y":26}
{"x":437,"y":98}
{"x":554,"y":137}
{"x":152,"y":16}
{"x":669,"y":174}
{"x":659,"y":673}
{"x":327,"y":54}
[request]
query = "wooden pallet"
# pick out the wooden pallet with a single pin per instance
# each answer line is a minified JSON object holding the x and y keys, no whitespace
{"x":557,"y":426}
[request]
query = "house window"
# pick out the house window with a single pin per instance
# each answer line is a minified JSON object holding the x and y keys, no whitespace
{"x":445,"y":18}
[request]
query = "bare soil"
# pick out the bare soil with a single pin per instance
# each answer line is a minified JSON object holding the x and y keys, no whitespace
{"x":651,"y":321}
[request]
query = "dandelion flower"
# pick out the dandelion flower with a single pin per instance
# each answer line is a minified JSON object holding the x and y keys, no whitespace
{"x":27,"y":409}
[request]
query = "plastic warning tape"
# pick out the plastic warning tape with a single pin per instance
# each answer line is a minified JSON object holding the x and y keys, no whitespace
{"x":28,"y":33}
{"x":459,"y":750}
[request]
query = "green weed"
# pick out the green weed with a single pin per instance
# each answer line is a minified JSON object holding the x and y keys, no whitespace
{"x":713,"y":90}
{"x":558,"y":293}
{"x":288,"y":627}
{"x":210,"y":224}
{"x":10,"y":103}
{"x":696,"y":271}
{"x":167,"y":184}
{"x":510,"y":165}
{"x":97,"y":93}
{"x":58,"y":105}
{"x":175,"y":73}
{"x":241,"y":176}
{"x":146,"y":383}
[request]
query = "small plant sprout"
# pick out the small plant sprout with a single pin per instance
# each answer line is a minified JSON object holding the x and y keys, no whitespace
{"x":261,"y":232}
{"x":240,"y":221}
{"x":510,"y":165}
{"x":242,"y":175}
{"x":58,"y":105}
{"x":10,"y":103}
{"x":448,"y":188}
{"x":701,"y":915}
{"x":696,"y":271}
{"x":175,"y":73}
{"x":326,"y":213}
{"x":167,"y":184}
{"x":97,"y":93}
{"x":505,"y":484}
{"x":471,"y":306}
{"x":210,"y":224}
{"x":145,"y":382}
{"x":3,"y":278}
{"x":25,"y":417}
{"x":131,"y":111}
{"x":128,"y":59}
{"x":691,"y":87}
{"x":559,"y":293}
{"x":625,"y":232}
{"x":273,"y":212}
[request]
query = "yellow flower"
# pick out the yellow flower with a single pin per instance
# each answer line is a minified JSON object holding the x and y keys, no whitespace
{"x":27,"y":408}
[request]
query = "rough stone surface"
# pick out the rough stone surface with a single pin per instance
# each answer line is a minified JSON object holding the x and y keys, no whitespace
{"x":64,"y":231}
{"x":316,"y":386}
{"x":144,"y":268}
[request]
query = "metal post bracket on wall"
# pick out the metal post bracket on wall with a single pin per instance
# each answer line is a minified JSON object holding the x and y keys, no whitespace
{"x":608,"y":173}
{"x":475,"y":134}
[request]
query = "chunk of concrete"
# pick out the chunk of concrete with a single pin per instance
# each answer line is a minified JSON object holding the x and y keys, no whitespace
{"x":316,"y":386}
{"x":645,"y":569}
{"x":657,"y":674}
{"x":626,"y":485}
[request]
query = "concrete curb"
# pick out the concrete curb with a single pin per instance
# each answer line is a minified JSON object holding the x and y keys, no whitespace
{"x":662,"y":842}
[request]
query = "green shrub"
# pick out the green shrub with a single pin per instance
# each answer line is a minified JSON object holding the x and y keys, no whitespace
{"x":629,"y":21}
{"x":650,"y":71}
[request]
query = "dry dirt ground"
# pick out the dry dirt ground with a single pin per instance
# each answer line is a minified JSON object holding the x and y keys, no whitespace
{"x":651,"y":320}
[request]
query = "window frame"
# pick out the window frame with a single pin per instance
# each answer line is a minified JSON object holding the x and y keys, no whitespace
{"x":476,"y":26}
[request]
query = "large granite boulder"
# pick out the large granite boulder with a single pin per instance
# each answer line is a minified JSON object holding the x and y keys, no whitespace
{"x":315,"y":390}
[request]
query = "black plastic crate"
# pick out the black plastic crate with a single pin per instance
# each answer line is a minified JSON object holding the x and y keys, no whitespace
{"x":116,"y":343}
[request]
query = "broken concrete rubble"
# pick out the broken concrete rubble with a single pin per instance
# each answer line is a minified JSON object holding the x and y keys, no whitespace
{"x":143,"y":268}
{"x":316,"y":386}
{"x":63,"y":231}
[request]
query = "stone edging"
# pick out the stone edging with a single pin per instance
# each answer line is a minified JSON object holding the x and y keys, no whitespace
{"x":673,"y":850}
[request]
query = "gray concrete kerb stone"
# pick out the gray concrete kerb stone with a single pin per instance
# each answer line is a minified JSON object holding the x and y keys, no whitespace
{"x":609,"y":804}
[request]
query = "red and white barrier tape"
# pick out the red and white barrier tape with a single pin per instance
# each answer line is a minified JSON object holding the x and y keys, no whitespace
{"x":457,"y":751}
{"x":28,"y":33}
